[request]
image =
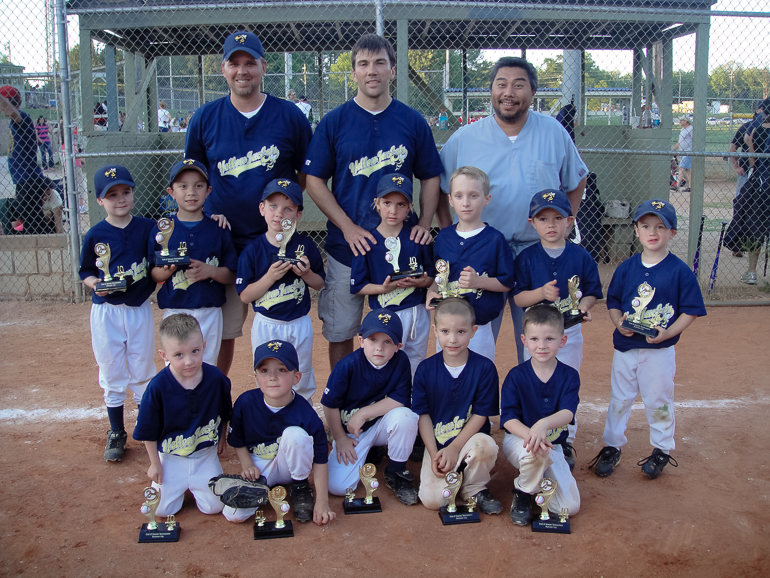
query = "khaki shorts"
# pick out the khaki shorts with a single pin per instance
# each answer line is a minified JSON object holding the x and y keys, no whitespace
{"x":340,"y":311}
{"x":234,"y":313}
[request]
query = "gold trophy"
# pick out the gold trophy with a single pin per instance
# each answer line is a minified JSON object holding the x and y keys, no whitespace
{"x":557,"y":523}
{"x":369,"y":504}
{"x":442,"y":282}
{"x":393,"y":245}
{"x":635,"y":321}
{"x":279,"y":529}
{"x":288,"y":228}
{"x":573,"y":315}
{"x":153,"y":531}
{"x":449,"y":514}
{"x":108,"y":283}
{"x":164,"y":257}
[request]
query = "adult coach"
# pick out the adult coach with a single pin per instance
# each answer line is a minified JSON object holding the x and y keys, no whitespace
{"x":522,"y":152}
{"x":246,"y":140}
{"x":355,"y":144}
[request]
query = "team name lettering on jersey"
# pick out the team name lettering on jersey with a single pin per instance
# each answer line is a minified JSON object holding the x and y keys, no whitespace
{"x":365,"y":166}
{"x":138,"y":271}
{"x":394,"y":297}
{"x":454,"y":288}
{"x":182,"y":446}
{"x":660,"y":316}
{"x":281,"y":294}
{"x":266,"y":451}
{"x":345,"y":415}
{"x":237,"y":165}
{"x":564,"y":304}
{"x":553,"y":434}
{"x":180,"y":281}
{"x":446,"y":431}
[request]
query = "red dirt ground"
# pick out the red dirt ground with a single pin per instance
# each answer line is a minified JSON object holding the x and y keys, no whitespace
{"x":65,"y":512}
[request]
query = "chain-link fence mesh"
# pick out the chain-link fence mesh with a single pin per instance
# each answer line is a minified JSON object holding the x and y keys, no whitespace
{"x":631,"y":69}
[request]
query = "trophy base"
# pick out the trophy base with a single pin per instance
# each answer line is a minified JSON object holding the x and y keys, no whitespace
{"x":455,"y":518}
{"x":161,"y":534}
{"x":285,"y":259}
{"x":396,"y":276}
{"x":552,"y":526}
{"x":268,"y":531}
{"x":572,"y":318}
{"x":639,"y":328}
{"x":181,"y":261}
{"x":112,"y":286}
{"x":358,"y":506}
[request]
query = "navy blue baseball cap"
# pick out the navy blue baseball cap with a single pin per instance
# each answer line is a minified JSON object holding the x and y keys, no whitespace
{"x":659,"y":208}
{"x":109,"y":176}
{"x":285,"y":187}
{"x":550,"y":199}
{"x":246,"y":41}
{"x":382,"y":321}
{"x":394,"y":183}
{"x":283,"y":351}
{"x":187,"y":165}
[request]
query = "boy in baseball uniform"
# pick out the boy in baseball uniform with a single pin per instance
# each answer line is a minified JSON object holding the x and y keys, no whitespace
{"x":183,"y":417}
{"x":661,"y":290}
{"x":122,"y":329}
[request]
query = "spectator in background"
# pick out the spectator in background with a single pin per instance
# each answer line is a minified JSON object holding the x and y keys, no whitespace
{"x":292,"y":96}
{"x":164,"y":117}
{"x":685,"y":146}
{"x":305,"y":107}
{"x":121,"y":120}
{"x":44,"y":143}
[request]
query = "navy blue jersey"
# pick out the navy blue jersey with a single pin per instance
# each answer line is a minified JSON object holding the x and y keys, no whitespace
{"x":534,"y":268}
{"x":355,"y":148}
{"x":184,"y":421}
{"x":489,"y":254}
{"x":22,"y":151}
{"x":355,"y":383}
{"x":244,"y":154}
{"x":676,"y":292}
{"x":206,"y":242}
{"x":288,"y":298}
{"x":371,"y":267}
{"x":451,"y":401}
{"x":128,"y":249}
{"x":525,"y":398}
{"x":255,"y":427}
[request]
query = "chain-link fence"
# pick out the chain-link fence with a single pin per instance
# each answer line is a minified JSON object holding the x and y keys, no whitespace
{"x":631,"y":69}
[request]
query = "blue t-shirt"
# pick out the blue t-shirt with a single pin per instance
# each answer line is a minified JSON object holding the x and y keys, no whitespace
{"x":22,"y":151}
{"x":676,"y":292}
{"x":128,"y":248}
{"x":372,"y":267}
{"x":288,"y":298}
{"x":255,"y":427}
{"x":490,"y":256}
{"x":355,"y":383}
{"x":207,"y":242}
{"x":181,"y":420}
{"x":534,"y":268}
{"x":525,"y":398}
{"x":244,"y":154}
{"x":451,"y":401}
{"x":355,"y":148}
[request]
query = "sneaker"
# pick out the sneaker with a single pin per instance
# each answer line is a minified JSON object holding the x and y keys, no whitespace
{"x":682,"y":183}
{"x":302,"y":499}
{"x":239,"y":492}
{"x":685,"y":190}
{"x":487,"y":503}
{"x":653,"y":465}
{"x":82,"y":209}
{"x":605,"y":461}
{"x":521,"y":508}
{"x":402,"y":484}
{"x":738,"y":254}
{"x":376,"y":454}
{"x":749,"y":278}
{"x":569,"y":455}
{"x":116,"y":445}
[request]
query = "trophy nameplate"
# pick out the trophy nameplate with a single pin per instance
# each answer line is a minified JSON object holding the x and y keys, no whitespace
{"x":442,"y":282}
{"x":573,"y":315}
{"x":635,"y":321}
{"x":547,"y":522}
{"x":164,"y":257}
{"x":450,"y":514}
{"x":369,"y":504}
{"x":264,"y":530}
{"x":288,"y":228}
{"x":108,"y":283}
{"x":153,"y":531}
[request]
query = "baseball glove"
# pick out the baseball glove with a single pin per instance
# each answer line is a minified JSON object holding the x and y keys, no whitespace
{"x":238,"y":492}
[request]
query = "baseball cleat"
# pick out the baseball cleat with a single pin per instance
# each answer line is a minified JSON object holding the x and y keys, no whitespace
{"x":521,"y":508}
{"x":605,"y":461}
{"x":569,"y":455}
{"x":652,"y":466}
{"x":301,"y":496}
{"x":116,"y":445}
{"x":239,"y":492}
{"x":487,"y":503}
{"x":402,"y":485}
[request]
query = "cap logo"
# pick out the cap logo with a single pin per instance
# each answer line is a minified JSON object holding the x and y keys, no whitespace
{"x":274,"y":345}
{"x":111,"y":173}
{"x":283,"y":184}
{"x":384,"y":317}
{"x":658,"y":205}
{"x":549,"y":197}
{"x":189,"y":162}
{"x":398,"y":180}
{"x":240,"y":38}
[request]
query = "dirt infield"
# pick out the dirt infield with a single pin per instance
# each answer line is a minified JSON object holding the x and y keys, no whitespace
{"x":65,"y":512}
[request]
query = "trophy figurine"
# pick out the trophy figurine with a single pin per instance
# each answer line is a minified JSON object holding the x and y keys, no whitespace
{"x":449,"y":514}
{"x":153,"y":531}
{"x":635,"y":321}
{"x":369,"y":504}
{"x":279,"y":529}
{"x":573,"y":315}
{"x":558,"y":524}
{"x":178,"y":257}
{"x":442,"y":281}
{"x":288,"y":228}
{"x":393,"y":245}
{"x":108,"y":283}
